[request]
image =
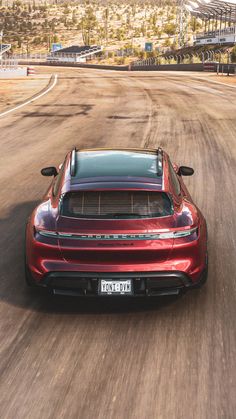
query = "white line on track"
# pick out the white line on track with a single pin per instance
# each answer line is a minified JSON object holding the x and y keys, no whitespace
{"x":31,"y":100}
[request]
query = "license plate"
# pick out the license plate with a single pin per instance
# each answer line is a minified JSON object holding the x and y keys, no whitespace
{"x":115,"y":287}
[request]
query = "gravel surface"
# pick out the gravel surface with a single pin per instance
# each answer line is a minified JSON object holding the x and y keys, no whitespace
{"x":156,"y":359}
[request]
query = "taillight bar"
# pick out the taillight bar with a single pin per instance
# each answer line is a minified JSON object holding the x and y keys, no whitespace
{"x":146,"y":236}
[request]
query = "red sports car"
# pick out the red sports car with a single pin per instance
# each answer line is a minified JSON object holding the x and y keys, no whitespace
{"x":116,"y":222}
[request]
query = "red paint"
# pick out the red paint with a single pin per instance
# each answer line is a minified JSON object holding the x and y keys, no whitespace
{"x":186,"y":254}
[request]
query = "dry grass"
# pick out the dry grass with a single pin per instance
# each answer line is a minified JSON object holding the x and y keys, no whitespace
{"x":15,"y":91}
{"x":231,"y":79}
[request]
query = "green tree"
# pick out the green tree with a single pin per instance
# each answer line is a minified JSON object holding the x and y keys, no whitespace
{"x":233,"y":54}
{"x":167,"y":42}
{"x":66,"y":10}
{"x":106,"y":17}
{"x":19,"y":41}
{"x":170,"y":28}
{"x":74,"y":18}
{"x":88,"y":24}
{"x":143,"y":29}
{"x":55,"y":39}
{"x":37,"y":40}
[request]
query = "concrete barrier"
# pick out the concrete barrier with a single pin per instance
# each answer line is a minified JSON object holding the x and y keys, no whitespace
{"x":207,"y":66}
{"x":210,"y":67}
{"x":80,"y":65}
{"x":9,"y":73}
{"x":133,"y":67}
{"x":168,"y":67}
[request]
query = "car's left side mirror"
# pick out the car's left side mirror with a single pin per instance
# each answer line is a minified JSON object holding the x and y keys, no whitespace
{"x":185,"y":171}
{"x":49,"y":171}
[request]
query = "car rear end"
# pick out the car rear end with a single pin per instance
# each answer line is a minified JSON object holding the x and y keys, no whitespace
{"x":129,"y":242}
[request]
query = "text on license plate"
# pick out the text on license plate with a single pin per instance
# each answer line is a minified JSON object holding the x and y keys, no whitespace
{"x":116,"y":287}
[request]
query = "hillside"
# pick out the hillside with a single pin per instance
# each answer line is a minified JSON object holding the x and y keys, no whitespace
{"x":33,"y":26}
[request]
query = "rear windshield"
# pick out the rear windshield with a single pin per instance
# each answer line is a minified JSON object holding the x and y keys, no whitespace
{"x":116,"y":204}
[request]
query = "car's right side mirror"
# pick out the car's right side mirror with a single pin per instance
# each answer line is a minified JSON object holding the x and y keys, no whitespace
{"x":185,"y":171}
{"x":49,"y":171}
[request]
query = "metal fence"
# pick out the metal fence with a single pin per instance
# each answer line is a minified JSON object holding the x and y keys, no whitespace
{"x":8,"y":63}
{"x":147,"y":65}
{"x":184,"y":58}
{"x":39,"y":56}
{"x":9,"y":69}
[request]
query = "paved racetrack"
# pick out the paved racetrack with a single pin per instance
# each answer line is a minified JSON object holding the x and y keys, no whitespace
{"x":165,"y":358}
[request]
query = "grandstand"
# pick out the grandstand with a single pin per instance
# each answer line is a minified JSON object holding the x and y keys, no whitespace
{"x":73,"y":54}
{"x":202,"y":52}
{"x":4,"y":48}
{"x":219,"y":19}
{"x":9,"y":66}
{"x":215,"y":45}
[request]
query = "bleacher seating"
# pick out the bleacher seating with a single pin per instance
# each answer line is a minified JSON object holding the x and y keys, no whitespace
{"x":75,"y":49}
{"x":4,"y":48}
{"x":198,"y":50}
{"x":74,"y":53}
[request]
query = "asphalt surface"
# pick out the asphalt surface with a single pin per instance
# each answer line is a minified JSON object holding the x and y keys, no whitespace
{"x":163,"y":358}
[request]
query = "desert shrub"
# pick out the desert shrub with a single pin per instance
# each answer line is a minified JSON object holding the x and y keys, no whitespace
{"x":233,"y":54}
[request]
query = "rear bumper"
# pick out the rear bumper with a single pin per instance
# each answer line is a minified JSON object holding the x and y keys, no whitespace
{"x":86,"y":284}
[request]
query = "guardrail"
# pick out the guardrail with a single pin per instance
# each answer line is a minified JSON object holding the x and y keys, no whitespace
{"x":220,"y":68}
{"x":167,"y":67}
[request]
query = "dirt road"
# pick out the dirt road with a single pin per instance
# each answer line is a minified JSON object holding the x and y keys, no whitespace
{"x":163,"y":359}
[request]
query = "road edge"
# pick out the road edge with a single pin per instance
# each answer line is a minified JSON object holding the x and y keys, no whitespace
{"x":51,"y":84}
